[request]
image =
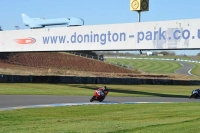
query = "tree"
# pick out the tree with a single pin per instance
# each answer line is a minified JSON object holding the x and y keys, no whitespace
{"x":198,"y":54}
{"x":155,"y":53}
{"x":171,"y":53}
{"x":164,"y":53}
{"x":167,"y":53}
{"x":92,"y":53}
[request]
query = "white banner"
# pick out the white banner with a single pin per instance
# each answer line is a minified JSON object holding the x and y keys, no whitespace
{"x":180,"y":34}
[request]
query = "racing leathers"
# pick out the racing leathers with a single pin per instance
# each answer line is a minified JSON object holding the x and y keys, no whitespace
{"x":101,"y":90}
{"x":196,"y":91}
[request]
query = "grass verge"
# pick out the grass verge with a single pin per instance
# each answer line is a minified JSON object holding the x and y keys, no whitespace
{"x":149,"y":66}
{"x":137,"y":118}
{"x":196,"y":70}
{"x":88,"y":89}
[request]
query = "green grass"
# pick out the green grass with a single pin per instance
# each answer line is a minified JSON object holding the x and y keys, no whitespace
{"x":149,"y":66}
{"x":137,"y":118}
{"x":196,"y":70}
{"x":154,"y":66}
{"x":198,"y":57}
{"x":88,"y":89}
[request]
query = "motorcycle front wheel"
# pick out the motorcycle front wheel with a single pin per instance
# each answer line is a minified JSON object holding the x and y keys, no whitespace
{"x":92,"y":99}
{"x":101,"y":100}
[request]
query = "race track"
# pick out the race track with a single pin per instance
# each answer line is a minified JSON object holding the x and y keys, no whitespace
{"x":9,"y":102}
{"x":186,"y":68}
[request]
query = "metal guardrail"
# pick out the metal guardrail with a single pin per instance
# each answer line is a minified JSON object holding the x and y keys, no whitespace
{"x":88,"y":56}
{"x":156,"y":59}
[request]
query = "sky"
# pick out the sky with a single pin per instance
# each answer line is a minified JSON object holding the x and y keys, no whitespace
{"x":98,"y":12}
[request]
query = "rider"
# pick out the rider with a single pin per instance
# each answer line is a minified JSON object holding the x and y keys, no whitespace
{"x":196,"y":90}
{"x":102,"y":91}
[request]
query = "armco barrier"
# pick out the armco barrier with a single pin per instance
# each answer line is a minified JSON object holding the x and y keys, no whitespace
{"x":92,"y":80}
{"x":134,"y":58}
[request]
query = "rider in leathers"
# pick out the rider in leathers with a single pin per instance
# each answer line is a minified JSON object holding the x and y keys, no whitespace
{"x":102,"y":91}
{"x":196,"y":91}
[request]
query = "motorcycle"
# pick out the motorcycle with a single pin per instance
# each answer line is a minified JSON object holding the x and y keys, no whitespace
{"x":97,"y":96}
{"x":194,"y":94}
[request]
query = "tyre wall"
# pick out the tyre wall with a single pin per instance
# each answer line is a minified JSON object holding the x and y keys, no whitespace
{"x":92,"y":80}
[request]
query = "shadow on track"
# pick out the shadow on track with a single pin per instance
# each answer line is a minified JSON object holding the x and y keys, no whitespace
{"x":131,"y":92}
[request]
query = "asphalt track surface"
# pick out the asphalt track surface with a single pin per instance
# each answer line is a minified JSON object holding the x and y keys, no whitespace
{"x":11,"y":101}
{"x":186,"y":68}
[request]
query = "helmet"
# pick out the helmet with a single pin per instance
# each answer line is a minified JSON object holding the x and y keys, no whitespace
{"x":104,"y":88}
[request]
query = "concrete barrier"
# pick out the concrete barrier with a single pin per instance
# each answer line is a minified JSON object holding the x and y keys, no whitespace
{"x":92,"y":80}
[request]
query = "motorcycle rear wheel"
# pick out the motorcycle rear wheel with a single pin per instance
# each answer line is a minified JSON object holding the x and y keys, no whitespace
{"x":101,"y":100}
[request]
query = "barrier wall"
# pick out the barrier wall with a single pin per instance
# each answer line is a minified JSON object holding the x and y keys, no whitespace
{"x":92,"y":80}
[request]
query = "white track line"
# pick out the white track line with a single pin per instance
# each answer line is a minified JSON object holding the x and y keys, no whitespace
{"x":189,"y":72}
{"x":76,"y":104}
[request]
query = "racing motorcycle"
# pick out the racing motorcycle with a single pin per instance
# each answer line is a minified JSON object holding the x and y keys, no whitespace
{"x":97,"y":96}
{"x":194,"y":94}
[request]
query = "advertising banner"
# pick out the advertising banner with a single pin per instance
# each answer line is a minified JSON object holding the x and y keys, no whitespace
{"x":177,"y":34}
